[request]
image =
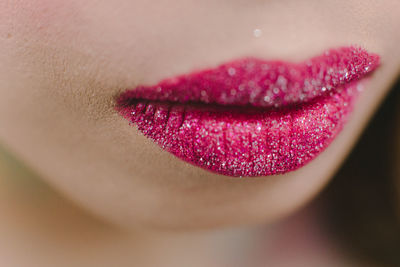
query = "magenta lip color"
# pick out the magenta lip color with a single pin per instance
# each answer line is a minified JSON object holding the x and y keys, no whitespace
{"x":251,"y":117}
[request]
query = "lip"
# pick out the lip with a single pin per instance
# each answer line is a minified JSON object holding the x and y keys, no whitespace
{"x":251,"y":117}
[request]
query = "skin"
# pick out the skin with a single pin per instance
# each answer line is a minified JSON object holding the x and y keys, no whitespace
{"x":62,"y":63}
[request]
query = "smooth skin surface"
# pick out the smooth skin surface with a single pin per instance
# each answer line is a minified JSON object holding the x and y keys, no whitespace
{"x":62,"y":63}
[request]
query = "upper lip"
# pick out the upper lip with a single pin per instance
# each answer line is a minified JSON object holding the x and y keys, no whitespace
{"x":260,"y":83}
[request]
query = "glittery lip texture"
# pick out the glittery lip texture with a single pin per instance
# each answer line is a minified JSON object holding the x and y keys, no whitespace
{"x":251,"y":117}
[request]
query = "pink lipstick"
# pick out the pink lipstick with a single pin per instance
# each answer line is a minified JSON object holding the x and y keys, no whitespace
{"x":251,"y":117}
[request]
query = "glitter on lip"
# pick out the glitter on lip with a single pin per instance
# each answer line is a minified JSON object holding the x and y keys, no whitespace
{"x":256,"y":117}
{"x":263,"y":83}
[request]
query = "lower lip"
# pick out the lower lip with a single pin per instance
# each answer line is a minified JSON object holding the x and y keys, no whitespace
{"x":241,"y":141}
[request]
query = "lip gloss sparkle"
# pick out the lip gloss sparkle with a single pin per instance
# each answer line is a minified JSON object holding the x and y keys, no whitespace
{"x":251,"y":117}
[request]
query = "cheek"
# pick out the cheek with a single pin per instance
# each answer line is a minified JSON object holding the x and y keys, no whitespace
{"x":63,"y":34}
{"x":38,"y":17}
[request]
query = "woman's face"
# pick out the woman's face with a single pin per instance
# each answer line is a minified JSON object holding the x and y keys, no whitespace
{"x":62,"y":64}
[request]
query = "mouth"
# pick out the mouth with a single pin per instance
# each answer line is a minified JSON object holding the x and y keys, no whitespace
{"x":251,"y":117}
